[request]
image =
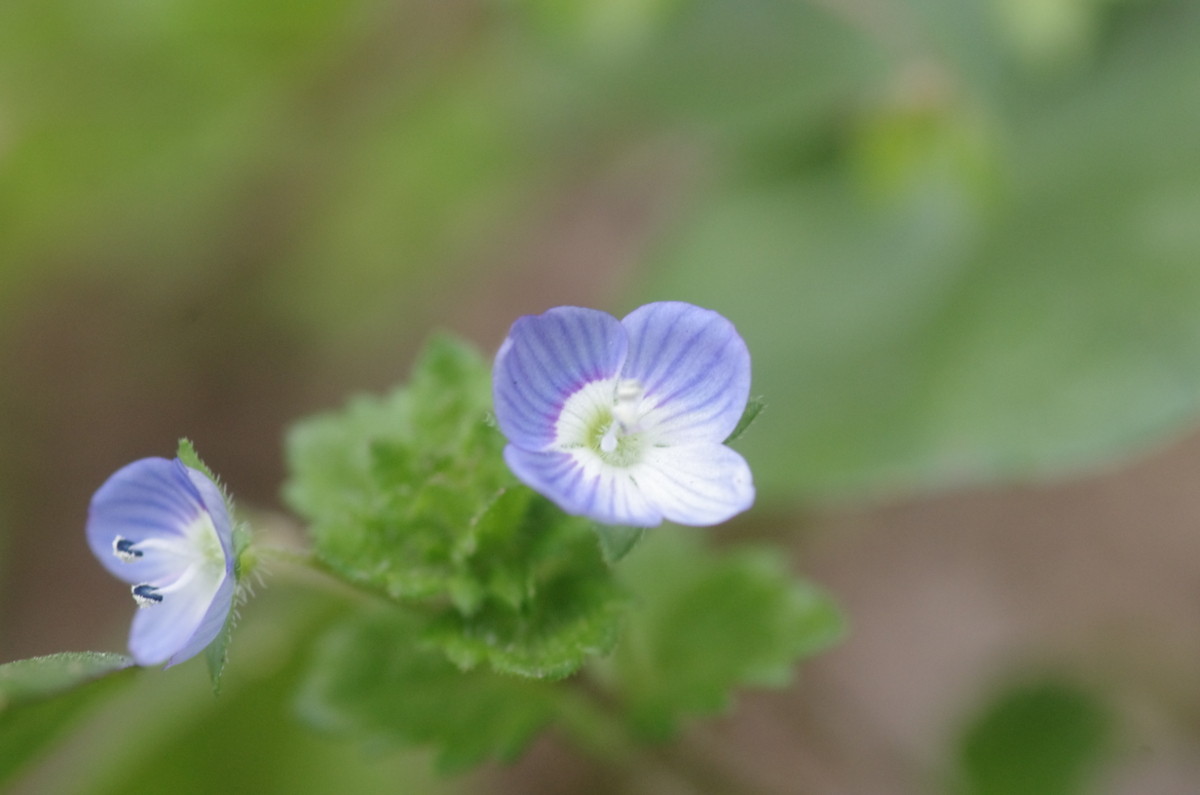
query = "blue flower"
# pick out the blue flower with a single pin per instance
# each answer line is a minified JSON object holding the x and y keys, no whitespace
{"x":164,"y":528}
{"x":623,"y":421}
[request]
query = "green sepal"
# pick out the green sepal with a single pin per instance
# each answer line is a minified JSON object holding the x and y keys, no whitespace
{"x":216,"y":654}
{"x":617,"y":541}
{"x":186,"y":453}
{"x":754,"y":407}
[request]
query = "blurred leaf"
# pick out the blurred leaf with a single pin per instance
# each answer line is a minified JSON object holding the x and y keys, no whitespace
{"x":42,"y":696}
{"x":705,"y":623}
{"x":169,"y":734}
{"x":601,"y":28}
{"x":1041,"y":738}
{"x":767,"y":65}
{"x":443,"y":169}
{"x":371,"y":679}
{"x":944,"y":336}
{"x":117,"y":112}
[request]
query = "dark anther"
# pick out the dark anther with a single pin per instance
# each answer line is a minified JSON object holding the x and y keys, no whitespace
{"x":123,"y":549}
{"x":146,"y":595}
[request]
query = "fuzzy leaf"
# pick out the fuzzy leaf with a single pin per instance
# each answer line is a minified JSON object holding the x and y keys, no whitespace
{"x":704,"y":624}
{"x":41,"y":677}
{"x":371,"y":680}
{"x":391,"y":484}
{"x":41,"y":696}
{"x":550,"y":601}
{"x":409,"y":495}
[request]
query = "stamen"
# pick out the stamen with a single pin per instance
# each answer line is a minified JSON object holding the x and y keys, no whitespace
{"x":123,"y":549}
{"x":146,"y":595}
{"x":178,"y":546}
{"x":628,"y":402}
{"x":183,"y":579}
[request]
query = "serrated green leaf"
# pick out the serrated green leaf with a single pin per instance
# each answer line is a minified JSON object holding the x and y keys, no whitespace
{"x":570,"y":621}
{"x":371,"y":679}
{"x":705,"y":623}
{"x":496,"y":552}
{"x":41,"y":696}
{"x":409,"y":495}
{"x":754,"y":407}
{"x":551,"y":601}
{"x":391,"y":485}
{"x":616,"y":542}
{"x":1036,"y":738}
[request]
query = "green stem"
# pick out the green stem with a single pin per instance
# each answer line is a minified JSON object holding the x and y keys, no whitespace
{"x":289,"y":555}
{"x":594,"y":720}
{"x":304,"y":566}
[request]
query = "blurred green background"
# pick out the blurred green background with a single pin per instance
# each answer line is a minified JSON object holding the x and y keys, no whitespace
{"x":962,"y":240}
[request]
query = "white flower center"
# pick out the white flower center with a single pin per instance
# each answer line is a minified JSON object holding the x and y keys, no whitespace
{"x":179,"y":557}
{"x":605,"y":419}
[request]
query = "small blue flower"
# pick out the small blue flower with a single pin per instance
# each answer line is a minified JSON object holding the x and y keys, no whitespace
{"x":623,"y":421}
{"x":164,"y":528}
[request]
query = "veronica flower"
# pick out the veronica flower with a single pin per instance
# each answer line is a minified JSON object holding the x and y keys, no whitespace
{"x":623,"y":421}
{"x":164,"y":528}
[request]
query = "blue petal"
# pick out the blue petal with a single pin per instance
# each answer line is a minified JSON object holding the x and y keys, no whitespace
{"x":211,"y":624}
{"x":700,"y":485}
{"x":544,"y":360}
{"x":184,"y":623}
{"x":581,"y":484}
{"x":150,"y":498}
{"x":214,"y":502}
{"x":694,"y":368}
